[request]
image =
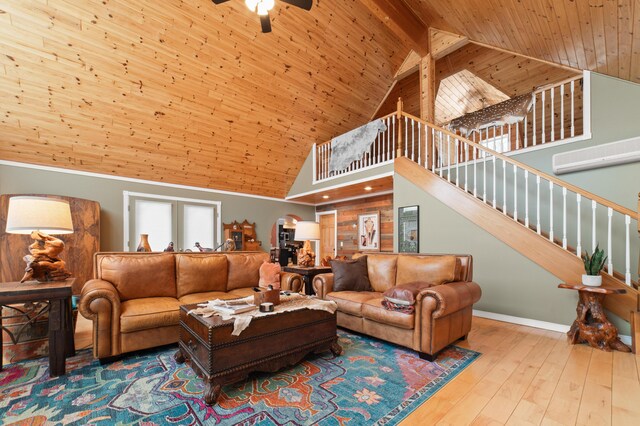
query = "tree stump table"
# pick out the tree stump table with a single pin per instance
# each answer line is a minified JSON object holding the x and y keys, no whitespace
{"x":591,"y":325}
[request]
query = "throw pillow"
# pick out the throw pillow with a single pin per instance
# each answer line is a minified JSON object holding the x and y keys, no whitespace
{"x":269,"y":275}
{"x":350,"y":275}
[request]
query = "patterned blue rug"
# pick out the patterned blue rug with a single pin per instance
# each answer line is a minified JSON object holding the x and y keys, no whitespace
{"x":372,"y":382}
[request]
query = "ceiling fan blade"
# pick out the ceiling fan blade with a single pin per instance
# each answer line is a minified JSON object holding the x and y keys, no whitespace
{"x":266,"y":23}
{"x":220,"y":1}
{"x":302,"y":4}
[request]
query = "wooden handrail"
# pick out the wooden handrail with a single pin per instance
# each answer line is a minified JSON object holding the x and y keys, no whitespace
{"x":379,"y":118}
{"x":573,"y":188}
{"x":559,"y":83}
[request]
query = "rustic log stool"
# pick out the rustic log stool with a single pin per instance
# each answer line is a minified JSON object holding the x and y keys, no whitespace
{"x":592,"y":326}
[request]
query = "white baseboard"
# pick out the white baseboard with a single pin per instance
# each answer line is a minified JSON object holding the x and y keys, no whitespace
{"x":561,"y":328}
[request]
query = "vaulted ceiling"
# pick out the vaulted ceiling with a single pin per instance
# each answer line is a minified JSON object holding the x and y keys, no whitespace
{"x":187,"y":92}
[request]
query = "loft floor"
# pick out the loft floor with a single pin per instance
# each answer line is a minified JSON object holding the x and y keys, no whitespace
{"x":525,"y":376}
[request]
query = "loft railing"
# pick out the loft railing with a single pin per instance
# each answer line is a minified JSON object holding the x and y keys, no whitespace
{"x":563,"y":213}
{"x":558,"y":112}
{"x":382,"y":151}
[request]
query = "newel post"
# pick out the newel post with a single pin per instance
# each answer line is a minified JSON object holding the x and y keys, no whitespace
{"x":399,"y":120}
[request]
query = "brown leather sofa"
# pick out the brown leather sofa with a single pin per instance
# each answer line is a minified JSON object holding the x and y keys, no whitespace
{"x":442,"y":312}
{"x":134,"y":298}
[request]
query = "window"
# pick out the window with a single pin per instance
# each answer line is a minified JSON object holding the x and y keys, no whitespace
{"x":181,"y":221}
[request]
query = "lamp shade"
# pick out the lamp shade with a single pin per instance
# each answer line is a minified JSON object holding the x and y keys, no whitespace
{"x":307,"y":230}
{"x":49,"y":215}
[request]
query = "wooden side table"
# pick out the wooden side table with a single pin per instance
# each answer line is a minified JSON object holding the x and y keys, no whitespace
{"x":58,"y":293}
{"x":307,"y":272}
{"x":592,"y":326}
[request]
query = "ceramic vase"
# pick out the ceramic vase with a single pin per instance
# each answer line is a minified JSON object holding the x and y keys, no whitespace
{"x":143,"y":245}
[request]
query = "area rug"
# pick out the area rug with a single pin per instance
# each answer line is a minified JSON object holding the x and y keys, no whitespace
{"x":372,"y":382}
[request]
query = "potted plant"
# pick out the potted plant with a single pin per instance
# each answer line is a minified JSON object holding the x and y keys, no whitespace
{"x":592,"y":266}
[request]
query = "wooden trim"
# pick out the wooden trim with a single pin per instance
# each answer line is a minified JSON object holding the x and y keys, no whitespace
{"x":410,"y":65}
{"x":386,"y":95}
{"x":441,"y":43}
{"x":635,"y":331}
{"x":570,"y":187}
{"x":559,"y":262}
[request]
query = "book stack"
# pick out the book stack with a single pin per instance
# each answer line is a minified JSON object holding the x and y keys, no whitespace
{"x":231,"y":306}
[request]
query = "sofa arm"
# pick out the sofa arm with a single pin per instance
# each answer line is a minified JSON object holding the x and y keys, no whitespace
{"x":451,"y":297}
{"x":100,"y":303}
{"x":291,"y":281}
{"x":323,"y":284}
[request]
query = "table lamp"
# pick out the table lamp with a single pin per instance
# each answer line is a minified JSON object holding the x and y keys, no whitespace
{"x":39,"y":217}
{"x":305,"y":231}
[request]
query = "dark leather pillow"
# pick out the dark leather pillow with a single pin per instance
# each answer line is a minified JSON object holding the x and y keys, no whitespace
{"x":350,"y":275}
{"x":405,"y":294}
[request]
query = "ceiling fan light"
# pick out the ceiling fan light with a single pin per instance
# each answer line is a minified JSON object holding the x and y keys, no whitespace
{"x":252,"y":4}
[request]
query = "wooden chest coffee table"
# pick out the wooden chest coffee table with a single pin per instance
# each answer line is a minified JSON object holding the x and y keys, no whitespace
{"x":267,"y":344}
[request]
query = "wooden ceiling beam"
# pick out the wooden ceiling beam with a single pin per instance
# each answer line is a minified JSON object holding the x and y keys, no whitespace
{"x":443,"y":42}
{"x":402,"y":21}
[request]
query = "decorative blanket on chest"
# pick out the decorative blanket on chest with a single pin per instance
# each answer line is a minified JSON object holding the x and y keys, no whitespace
{"x":292,"y":302}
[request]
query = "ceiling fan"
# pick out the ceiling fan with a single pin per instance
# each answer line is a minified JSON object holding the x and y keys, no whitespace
{"x":262,"y":8}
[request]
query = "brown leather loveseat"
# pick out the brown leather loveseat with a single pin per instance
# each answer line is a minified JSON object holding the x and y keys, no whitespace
{"x":442,"y":313}
{"x":134,"y":298}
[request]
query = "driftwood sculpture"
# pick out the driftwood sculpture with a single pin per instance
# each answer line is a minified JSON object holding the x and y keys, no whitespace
{"x":43,"y":263}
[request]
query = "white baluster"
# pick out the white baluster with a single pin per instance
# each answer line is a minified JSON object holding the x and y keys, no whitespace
{"x":573,"y":120}
{"x":457,"y":162}
{"x":406,"y":138}
{"x":504,"y":187}
{"x":393,"y":139}
{"x":484,"y":176}
{"x":526,"y":137}
{"x":494,"y":181}
{"x":562,"y":111}
{"x":420,"y":144}
{"x":542,"y":124}
{"x":517,"y":135}
{"x":434,"y":159}
{"x":509,"y":135}
{"x":609,"y":248}
{"x":535,"y":97}
{"x":538,"y":229}
{"x":627,"y":268}
{"x":553,"y":130}
{"x":448,"y":158}
{"x":440,"y":153}
{"x":564,"y":218}
{"x":579,"y":246}
{"x":466,"y":160}
{"x":593,"y":227}
{"x":515,"y":193}
{"x":550,"y":211}
{"x":378,"y":141}
{"x":526,"y":198}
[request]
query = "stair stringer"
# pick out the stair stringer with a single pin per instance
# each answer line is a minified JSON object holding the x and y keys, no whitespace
{"x":566,"y":266}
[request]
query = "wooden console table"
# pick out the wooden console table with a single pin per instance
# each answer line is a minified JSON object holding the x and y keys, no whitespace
{"x":58,"y":293}
{"x":307,"y":272}
{"x":592,"y":326}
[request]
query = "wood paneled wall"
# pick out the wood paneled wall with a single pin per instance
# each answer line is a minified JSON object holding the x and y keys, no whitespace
{"x":409,"y":90}
{"x":348,"y":212}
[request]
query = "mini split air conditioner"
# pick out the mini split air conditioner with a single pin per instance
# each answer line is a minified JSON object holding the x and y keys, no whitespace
{"x":610,"y":154}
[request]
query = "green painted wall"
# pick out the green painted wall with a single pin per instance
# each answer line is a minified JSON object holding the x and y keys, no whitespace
{"x":304,"y":180}
{"x":108,"y":192}
{"x":511,"y":283}
{"x":614,"y":116}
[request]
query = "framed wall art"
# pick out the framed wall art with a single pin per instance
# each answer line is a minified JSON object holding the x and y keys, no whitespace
{"x":408,"y":229}
{"x":369,"y":231}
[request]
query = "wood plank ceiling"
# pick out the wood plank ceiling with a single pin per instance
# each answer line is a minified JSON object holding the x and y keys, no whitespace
{"x":188,"y":92}
{"x":597,"y":35}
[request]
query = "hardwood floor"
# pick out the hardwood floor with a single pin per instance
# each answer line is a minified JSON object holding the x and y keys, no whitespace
{"x":525,"y":376}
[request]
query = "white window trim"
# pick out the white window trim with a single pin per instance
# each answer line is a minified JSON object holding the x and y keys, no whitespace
{"x":127,"y":201}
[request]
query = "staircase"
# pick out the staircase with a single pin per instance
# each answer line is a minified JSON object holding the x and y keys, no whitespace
{"x":545,"y":219}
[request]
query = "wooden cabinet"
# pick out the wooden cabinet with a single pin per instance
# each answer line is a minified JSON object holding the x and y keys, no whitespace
{"x":243,"y":235}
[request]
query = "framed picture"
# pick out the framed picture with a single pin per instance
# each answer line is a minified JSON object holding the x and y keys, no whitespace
{"x":369,"y":231}
{"x":408,"y":229}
